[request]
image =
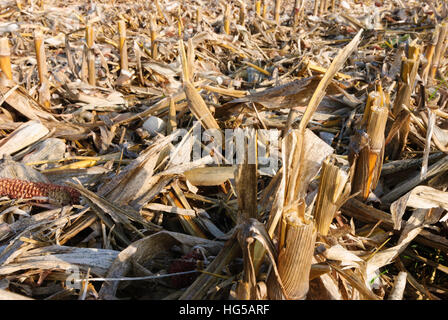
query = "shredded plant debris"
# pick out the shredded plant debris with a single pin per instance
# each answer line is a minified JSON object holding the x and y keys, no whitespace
{"x":206,"y":149}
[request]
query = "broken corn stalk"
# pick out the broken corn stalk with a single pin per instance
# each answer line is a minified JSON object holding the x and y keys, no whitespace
{"x":44,"y":92}
{"x":408,"y":78}
{"x":122,"y":45}
{"x":90,"y":36}
{"x":198,"y":17}
{"x":257,"y":7}
{"x":429,"y":54}
{"x":227,"y":19}
{"x":439,"y":49}
{"x":316,"y":7}
{"x":242,"y":16}
{"x":172,"y":123}
{"x":296,"y":249}
{"x":333,"y":191}
{"x":367,"y":163}
{"x":375,"y":131}
{"x":153,"y":31}
{"x":372,"y":99}
{"x":278,"y":4}
{"x":5,"y":58}
{"x":265,"y":9}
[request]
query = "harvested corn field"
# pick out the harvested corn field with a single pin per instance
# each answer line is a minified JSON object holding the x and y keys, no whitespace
{"x":224,"y":150}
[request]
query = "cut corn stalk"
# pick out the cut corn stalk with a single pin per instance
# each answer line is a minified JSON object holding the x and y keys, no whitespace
{"x":44,"y":91}
{"x":257,"y":7}
{"x":265,"y":9}
{"x":333,"y":191}
{"x":278,"y":4}
{"x":406,"y":86}
{"x":367,"y":162}
{"x":159,"y":11}
{"x":246,"y":179}
{"x":153,"y":31}
{"x":316,"y":7}
{"x":122,"y":45}
{"x":296,"y":233}
{"x":185,"y":62}
{"x":227,"y":19}
{"x":198,"y":17}
{"x":40,"y":56}
{"x":190,"y":59}
{"x":372,"y":98}
{"x":408,"y":74}
{"x":439,"y":50}
{"x":180,"y":25}
{"x":429,"y":54}
{"x":246,"y":185}
{"x":296,"y":249}
{"x":242,"y":16}
{"x":251,"y":234}
{"x":295,"y":12}
{"x":5,"y":58}
{"x":323,"y":7}
{"x":172,"y":123}
{"x":90,"y":38}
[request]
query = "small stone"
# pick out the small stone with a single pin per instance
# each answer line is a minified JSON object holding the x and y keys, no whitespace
{"x":154,"y":125}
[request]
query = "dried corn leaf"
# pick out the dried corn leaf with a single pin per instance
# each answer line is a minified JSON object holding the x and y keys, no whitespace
{"x":421,"y":197}
{"x":65,"y":258}
{"x":209,"y":176}
{"x":22,"y":137}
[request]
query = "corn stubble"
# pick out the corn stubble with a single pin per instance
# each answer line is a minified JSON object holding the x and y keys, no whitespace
{"x":297,"y":239}
{"x":297,"y":232}
{"x":5,"y":58}
{"x":279,"y":234}
{"x":367,"y":146}
{"x":334,"y":189}
{"x":44,"y":91}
